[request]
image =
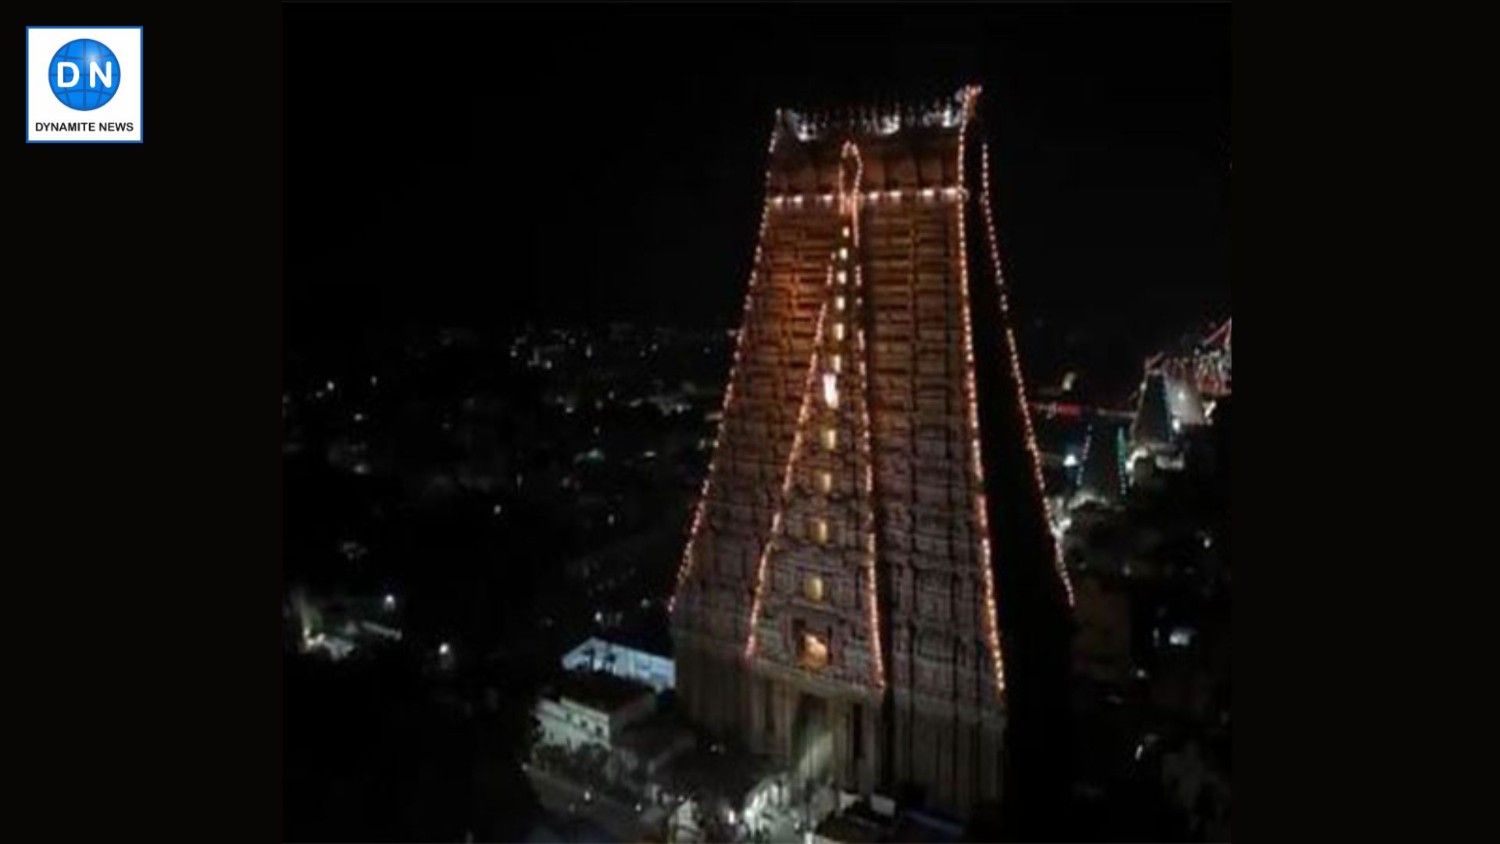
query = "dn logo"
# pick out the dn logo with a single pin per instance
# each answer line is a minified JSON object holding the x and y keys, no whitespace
{"x":84,"y":74}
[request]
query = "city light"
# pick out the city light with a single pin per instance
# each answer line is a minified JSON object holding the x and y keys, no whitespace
{"x":762,"y":700}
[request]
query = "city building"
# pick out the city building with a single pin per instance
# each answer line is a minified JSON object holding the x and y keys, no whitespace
{"x":630,"y":663}
{"x":874,"y":506}
{"x":1179,"y":392}
{"x":1102,"y":475}
{"x":585,"y":709}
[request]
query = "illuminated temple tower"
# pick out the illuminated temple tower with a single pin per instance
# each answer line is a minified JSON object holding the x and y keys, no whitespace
{"x":875,"y":486}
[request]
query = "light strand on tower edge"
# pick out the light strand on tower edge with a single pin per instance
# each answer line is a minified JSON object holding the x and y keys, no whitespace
{"x":976,"y":462}
{"x":872,"y":601}
{"x":850,"y":203}
{"x":787,"y":474}
{"x":1015,"y":369}
{"x":685,"y":567}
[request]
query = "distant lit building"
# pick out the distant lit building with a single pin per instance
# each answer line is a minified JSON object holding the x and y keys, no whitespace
{"x":1102,"y":473}
{"x":1152,"y":428}
{"x":595,"y":654}
{"x":591,"y":709}
{"x":1178,"y":394}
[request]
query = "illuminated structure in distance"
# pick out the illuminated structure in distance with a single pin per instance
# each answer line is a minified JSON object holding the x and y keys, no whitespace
{"x":875,"y":481}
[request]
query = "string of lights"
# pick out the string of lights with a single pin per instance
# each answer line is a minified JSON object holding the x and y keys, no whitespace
{"x":850,"y":203}
{"x":800,"y":200}
{"x":1088,"y":444}
{"x":976,"y":462}
{"x":1120,"y":457}
{"x":839,"y":271}
{"x":872,"y":602}
{"x":685,"y":567}
{"x":1015,"y":369}
{"x":787,"y":475}
{"x":876,"y":120}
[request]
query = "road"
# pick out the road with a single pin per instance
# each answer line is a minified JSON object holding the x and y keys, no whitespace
{"x":565,"y":798}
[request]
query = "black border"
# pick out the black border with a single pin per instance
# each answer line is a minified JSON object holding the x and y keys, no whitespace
{"x":143,"y":369}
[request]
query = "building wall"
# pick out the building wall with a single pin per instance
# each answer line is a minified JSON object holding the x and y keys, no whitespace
{"x":567,"y":724}
{"x":573,"y":724}
{"x":938,"y":720}
{"x":596,"y":654}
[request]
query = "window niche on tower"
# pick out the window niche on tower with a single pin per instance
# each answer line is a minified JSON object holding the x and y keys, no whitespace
{"x":812,"y":648}
{"x":820,"y":530}
{"x":812,"y":589}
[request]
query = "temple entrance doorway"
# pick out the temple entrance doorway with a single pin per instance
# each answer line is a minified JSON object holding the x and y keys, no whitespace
{"x":812,"y":741}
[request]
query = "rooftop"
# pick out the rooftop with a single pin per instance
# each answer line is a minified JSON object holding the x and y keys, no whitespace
{"x":880,"y":120}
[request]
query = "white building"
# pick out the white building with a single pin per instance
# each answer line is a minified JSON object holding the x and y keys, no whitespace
{"x":595,"y":709}
{"x":595,"y":654}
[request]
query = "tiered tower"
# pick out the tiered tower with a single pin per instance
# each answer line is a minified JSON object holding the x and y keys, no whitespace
{"x":837,"y":602}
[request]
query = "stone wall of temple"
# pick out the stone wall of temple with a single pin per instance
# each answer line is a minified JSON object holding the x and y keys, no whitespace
{"x":916,"y":704}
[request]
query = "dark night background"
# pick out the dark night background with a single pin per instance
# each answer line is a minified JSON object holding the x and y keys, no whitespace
{"x":477,"y":166}
{"x":455,"y":172}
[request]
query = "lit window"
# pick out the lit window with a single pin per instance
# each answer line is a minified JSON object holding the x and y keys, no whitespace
{"x":838,"y":303}
{"x":813,"y":652}
{"x":838,"y":331}
{"x":825,"y":482}
{"x":820,"y":531}
{"x":843,"y":277}
{"x":812,"y":587}
{"x":846,"y":231}
{"x":830,"y":389}
{"x":836,"y":363}
{"x":830,"y":439}
{"x":843,"y":253}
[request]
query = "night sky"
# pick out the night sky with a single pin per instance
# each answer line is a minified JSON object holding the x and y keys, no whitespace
{"x":484,"y":165}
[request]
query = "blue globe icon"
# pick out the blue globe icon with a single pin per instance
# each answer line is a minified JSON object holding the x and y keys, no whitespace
{"x":84,"y":74}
